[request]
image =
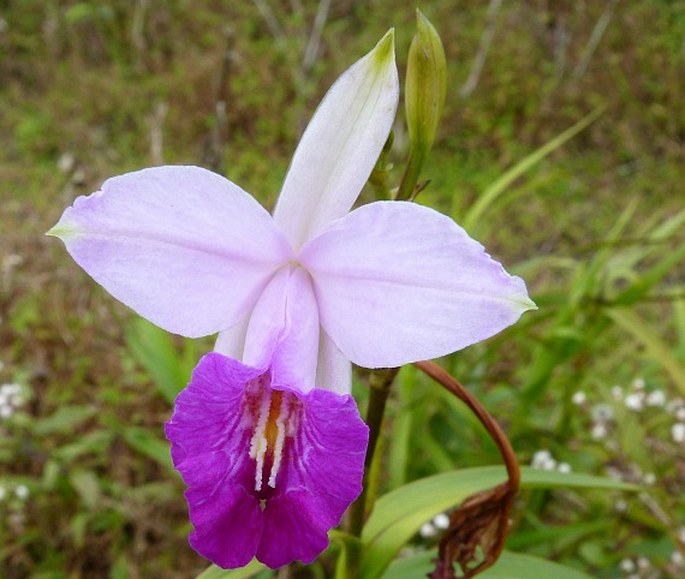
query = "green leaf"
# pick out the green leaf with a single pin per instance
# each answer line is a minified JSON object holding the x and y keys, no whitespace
{"x":66,"y":418}
{"x":509,"y":566}
{"x":148,"y":444}
{"x":399,"y":514}
{"x":155,"y":351}
{"x":246,"y":572}
{"x":86,"y":484}
{"x":533,"y":478}
{"x":95,"y":442}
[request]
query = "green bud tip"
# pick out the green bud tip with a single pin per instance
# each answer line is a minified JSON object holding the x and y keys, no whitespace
{"x":385,"y":49}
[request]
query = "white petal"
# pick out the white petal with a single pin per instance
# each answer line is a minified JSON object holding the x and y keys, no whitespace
{"x":184,"y":247}
{"x":340,"y":146}
{"x":231,"y":342}
{"x":334,"y":369}
{"x":397,"y":283}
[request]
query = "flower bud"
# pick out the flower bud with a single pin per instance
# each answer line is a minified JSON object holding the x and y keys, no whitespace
{"x":425,"y":86}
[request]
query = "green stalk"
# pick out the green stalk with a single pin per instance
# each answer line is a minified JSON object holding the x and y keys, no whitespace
{"x":410,"y":177}
{"x":380,"y":385}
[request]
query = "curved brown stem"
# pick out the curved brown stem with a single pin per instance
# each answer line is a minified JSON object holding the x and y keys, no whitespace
{"x":481,"y":523}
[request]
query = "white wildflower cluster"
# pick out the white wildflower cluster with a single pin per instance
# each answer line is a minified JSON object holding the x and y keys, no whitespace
{"x":630,"y":473}
{"x":602,"y":416}
{"x":14,"y":497}
{"x":637,"y":399}
{"x":439,"y":523}
{"x":18,"y":491}
{"x":544,"y":460}
{"x":11,"y":398}
{"x":676,"y":408}
{"x":637,"y":568}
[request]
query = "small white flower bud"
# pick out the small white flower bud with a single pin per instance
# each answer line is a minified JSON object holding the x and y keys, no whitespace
{"x":602,"y":413}
{"x":621,"y":506}
{"x":427,"y":531}
{"x":579,"y":398}
{"x":599,"y":431}
{"x":441,"y":521}
{"x":635,"y":401}
{"x":678,"y":432}
{"x":542,"y":459}
{"x":656,"y":398}
{"x":638,"y":384}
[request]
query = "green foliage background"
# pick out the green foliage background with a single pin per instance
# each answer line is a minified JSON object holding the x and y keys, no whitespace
{"x":93,"y":89}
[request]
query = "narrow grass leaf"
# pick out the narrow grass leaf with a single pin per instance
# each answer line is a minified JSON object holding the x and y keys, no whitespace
{"x":509,"y":566}
{"x":66,"y":418}
{"x":648,"y":280}
{"x":154,"y":349}
{"x":643,"y":333}
{"x":492,"y":193}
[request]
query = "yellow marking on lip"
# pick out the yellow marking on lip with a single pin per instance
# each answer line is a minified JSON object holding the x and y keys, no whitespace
{"x":271,"y":428}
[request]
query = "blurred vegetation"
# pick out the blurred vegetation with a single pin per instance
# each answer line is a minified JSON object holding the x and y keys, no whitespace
{"x":92,"y":89}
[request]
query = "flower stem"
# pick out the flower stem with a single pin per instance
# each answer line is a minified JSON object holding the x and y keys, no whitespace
{"x":479,"y":527}
{"x":407,"y":192}
{"x":441,"y":376}
{"x":380,"y":384}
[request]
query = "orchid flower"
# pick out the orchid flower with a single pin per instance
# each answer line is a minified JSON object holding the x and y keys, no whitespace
{"x":266,"y":435}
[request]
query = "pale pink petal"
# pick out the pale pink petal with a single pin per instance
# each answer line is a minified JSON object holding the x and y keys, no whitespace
{"x":182,"y":246}
{"x":397,"y":282}
{"x":334,"y":369}
{"x":284,"y":330}
{"x":231,"y":342}
{"x":340,"y":146}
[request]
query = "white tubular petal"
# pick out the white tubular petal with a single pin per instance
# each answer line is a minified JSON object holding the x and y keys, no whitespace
{"x":283,"y":333}
{"x":231,"y":342}
{"x":334,"y":369}
{"x":340,"y":146}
